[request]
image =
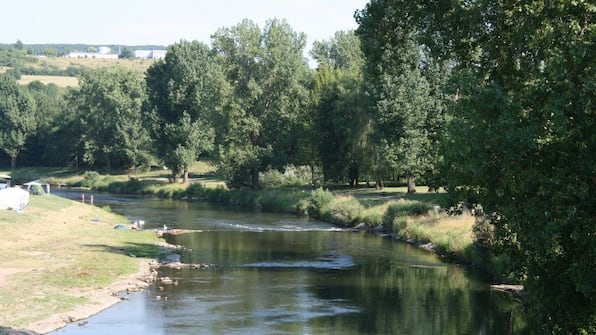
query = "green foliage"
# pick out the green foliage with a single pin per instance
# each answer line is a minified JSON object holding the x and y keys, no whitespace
{"x":13,"y":57}
{"x":395,"y":216}
{"x":184,"y":92}
{"x":343,"y":211}
{"x":127,"y":54}
{"x":266,"y":73}
{"x":108,"y":105}
{"x":17,"y":117}
{"x":520,"y":136}
{"x":406,"y":85}
{"x":284,"y":201}
{"x":292,"y":176}
{"x":37,"y":190}
{"x":340,"y":120}
{"x":90,"y":178}
{"x":319,"y":201}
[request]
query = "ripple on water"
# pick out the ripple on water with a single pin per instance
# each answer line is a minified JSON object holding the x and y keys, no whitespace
{"x":332,"y":262}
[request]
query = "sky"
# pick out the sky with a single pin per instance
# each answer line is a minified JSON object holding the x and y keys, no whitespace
{"x":163,"y":22}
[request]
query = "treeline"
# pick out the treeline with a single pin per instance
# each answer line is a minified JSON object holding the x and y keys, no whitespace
{"x":61,"y":49}
{"x":492,"y":100}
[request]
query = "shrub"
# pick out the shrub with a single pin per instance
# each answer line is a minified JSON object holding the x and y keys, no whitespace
{"x":196,"y":190}
{"x":371,"y":216}
{"x":292,"y":176}
{"x":219,"y":194}
{"x":283,"y":201}
{"x":394,"y":217}
{"x":343,"y":211}
{"x":90,"y":178}
{"x":37,"y":190}
{"x":319,"y":200}
{"x":272,"y":179}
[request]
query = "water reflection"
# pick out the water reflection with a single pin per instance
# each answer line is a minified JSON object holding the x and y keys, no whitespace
{"x":297,"y":280}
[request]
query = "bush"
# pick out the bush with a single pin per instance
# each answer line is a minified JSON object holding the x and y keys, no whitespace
{"x":171,"y":191}
{"x":90,"y":178}
{"x":394,"y":217}
{"x":292,"y":176}
{"x":319,"y":200}
{"x":289,"y":201}
{"x":37,"y":190}
{"x":372,"y":217}
{"x":196,"y":190}
{"x":343,"y":211}
{"x":218,"y":194}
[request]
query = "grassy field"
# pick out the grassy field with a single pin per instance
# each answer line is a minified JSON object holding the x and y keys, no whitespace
{"x":58,"y":63}
{"x":92,"y":63}
{"x":61,"y":81}
{"x":57,"y":253}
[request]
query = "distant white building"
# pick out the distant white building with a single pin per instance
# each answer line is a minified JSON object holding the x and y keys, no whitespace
{"x":150,"y":54}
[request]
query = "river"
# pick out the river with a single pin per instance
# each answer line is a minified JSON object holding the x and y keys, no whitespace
{"x":280,"y":274}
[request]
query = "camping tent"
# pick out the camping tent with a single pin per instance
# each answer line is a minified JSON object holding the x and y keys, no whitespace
{"x":40,"y":183}
{"x":14,"y":198}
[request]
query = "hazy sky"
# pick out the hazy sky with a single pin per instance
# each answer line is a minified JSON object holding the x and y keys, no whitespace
{"x":135,"y":22}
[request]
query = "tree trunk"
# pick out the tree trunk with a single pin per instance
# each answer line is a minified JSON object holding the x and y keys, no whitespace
{"x":255,"y":179}
{"x":379,"y":183}
{"x":312,"y":176}
{"x":185,"y":179}
{"x":411,"y":183}
{"x":109,"y":165}
{"x":353,"y":175}
{"x":13,"y":162}
{"x":174,"y":178}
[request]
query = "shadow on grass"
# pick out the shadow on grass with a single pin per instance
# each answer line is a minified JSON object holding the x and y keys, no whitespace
{"x":371,"y":197}
{"x":142,"y":250}
{"x":26,"y":174}
{"x":10,"y":331}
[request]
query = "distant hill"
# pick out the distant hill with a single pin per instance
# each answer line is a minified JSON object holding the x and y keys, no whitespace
{"x":48,"y":66}
{"x":60,"y":49}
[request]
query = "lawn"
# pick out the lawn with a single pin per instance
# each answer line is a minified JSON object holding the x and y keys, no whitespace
{"x":58,"y":252}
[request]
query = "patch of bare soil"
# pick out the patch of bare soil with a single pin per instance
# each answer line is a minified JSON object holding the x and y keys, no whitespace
{"x":99,"y":299}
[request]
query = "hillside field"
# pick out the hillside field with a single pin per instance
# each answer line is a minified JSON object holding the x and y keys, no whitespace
{"x":62,"y":64}
{"x":61,"y":81}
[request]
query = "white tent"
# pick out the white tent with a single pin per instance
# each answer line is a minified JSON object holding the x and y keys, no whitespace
{"x":40,"y":183}
{"x":14,"y":198}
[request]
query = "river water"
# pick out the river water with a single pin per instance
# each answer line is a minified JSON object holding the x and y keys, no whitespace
{"x":279,"y":274}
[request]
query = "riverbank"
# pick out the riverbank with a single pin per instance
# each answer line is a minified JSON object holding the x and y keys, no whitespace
{"x":414,"y":218}
{"x":63,"y":261}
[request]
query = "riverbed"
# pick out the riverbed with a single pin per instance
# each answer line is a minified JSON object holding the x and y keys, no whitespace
{"x":282,"y":274}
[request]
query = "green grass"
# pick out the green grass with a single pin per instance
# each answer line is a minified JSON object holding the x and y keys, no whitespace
{"x":57,"y":251}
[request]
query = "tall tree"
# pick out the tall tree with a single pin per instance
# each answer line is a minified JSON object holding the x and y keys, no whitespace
{"x":45,"y":147}
{"x":529,"y":106}
{"x":185,"y":91}
{"x":108,"y":103}
{"x":520,"y":138}
{"x":341,"y":119}
{"x":17,"y":117}
{"x":407,"y":109}
{"x":268,"y":75}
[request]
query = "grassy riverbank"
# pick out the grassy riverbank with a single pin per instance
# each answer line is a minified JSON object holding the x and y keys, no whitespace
{"x":60,"y":256}
{"x":415,"y":218}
